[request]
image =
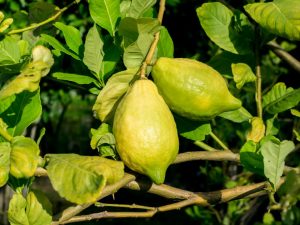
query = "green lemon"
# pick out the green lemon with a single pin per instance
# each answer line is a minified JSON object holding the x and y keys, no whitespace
{"x":145,"y":131}
{"x":193,"y":89}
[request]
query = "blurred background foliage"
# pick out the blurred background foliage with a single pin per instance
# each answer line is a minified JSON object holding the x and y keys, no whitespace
{"x":68,"y":118}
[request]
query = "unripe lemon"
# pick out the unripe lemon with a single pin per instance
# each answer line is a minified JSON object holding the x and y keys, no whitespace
{"x":193,"y":89}
{"x":145,"y":131}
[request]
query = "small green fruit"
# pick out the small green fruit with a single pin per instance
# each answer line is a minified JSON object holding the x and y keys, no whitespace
{"x":145,"y":131}
{"x":193,"y":89}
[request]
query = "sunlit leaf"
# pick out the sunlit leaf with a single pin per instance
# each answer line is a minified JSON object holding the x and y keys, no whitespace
{"x":280,"y":17}
{"x":76,"y":78}
{"x":23,"y":110}
{"x":139,"y":7}
{"x":165,"y":46}
{"x":257,"y":131}
{"x":72,"y":37}
{"x":110,"y":95}
{"x":238,"y":116}
{"x":9,"y":51}
{"x":274,"y":153}
{"x":242,"y":74}
{"x":17,"y":210}
{"x":24,"y":157}
{"x":229,"y":30}
{"x":93,"y":50}
{"x":105,"y":13}
{"x":80,"y":179}
{"x":280,"y":98}
{"x":5,"y":150}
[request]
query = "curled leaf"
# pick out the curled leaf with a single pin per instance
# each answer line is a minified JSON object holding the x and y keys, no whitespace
{"x":257,"y":130}
{"x":242,"y":74}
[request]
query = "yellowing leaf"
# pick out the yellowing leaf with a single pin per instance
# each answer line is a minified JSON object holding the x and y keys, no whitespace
{"x":242,"y":74}
{"x":257,"y":130}
{"x":81,"y":179}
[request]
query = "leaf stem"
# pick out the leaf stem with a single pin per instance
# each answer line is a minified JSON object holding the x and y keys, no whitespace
{"x":258,"y":95}
{"x":50,"y":19}
{"x":5,"y":135}
{"x":205,"y":146}
{"x":218,"y":141}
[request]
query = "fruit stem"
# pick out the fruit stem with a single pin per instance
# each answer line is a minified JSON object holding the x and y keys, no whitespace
{"x":153,"y":46}
{"x":221,"y":143}
{"x":205,"y":146}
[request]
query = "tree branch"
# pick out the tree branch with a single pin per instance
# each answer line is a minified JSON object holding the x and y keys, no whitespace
{"x":284,"y":55}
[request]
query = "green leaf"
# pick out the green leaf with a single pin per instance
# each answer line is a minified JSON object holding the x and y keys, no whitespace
{"x":272,"y":126}
{"x":131,"y":28}
{"x":222,"y":62}
{"x":17,"y":210}
{"x":72,"y":37}
{"x":280,"y":17}
{"x":297,"y":134}
{"x":165,"y":46}
{"x":93,"y":50}
{"x":9,"y":51}
{"x":136,"y":53}
{"x":229,"y":31}
{"x":280,"y":98}
{"x":80,"y":179}
{"x":105,"y":13}
{"x":251,"y":159}
{"x":58,"y":46}
{"x":23,"y":110}
{"x":139,"y":7}
{"x":238,"y":116}
{"x":274,"y":153}
{"x":24,"y":157}
{"x":4,"y":162}
{"x":242,"y":73}
{"x":29,"y":211}
{"x":192,"y":130}
{"x":295,"y":112}
{"x":104,"y":141}
{"x":110,"y":96}
{"x":76,"y":78}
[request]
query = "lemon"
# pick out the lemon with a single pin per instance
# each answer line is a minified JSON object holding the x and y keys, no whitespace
{"x":145,"y":131}
{"x":192,"y":89}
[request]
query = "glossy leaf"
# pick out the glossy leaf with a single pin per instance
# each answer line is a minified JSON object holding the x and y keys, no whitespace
{"x":230,"y":31}
{"x":5,"y":150}
{"x":76,"y":78}
{"x":80,"y":179}
{"x":238,"y":116}
{"x":24,"y":157}
{"x":72,"y":37}
{"x":23,"y":110}
{"x":9,"y":51}
{"x":274,"y":153}
{"x":105,"y":13}
{"x":111,"y":94}
{"x":139,"y":7}
{"x":165,"y":46}
{"x":192,"y":130}
{"x":251,"y":159}
{"x":280,"y":17}
{"x":93,"y":50}
{"x":58,"y":46}
{"x":280,"y":98}
{"x":136,"y":53}
{"x":242,"y":73}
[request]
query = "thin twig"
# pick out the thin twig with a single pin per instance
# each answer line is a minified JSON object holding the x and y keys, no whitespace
{"x":155,"y":41}
{"x":284,"y":55}
{"x":258,"y":95}
{"x":218,"y":141}
{"x":204,"y":146}
{"x":52,"y":18}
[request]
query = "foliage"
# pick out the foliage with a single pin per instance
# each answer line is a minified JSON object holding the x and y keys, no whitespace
{"x":65,"y":67}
